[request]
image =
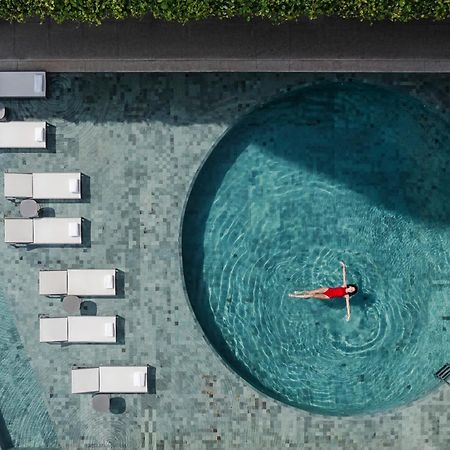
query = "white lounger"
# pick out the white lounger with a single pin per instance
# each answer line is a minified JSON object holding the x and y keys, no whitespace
{"x":43,"y":231}
{"x":78,"y":329}
{"x":110,"y":380}
{"x":22,"y":84}
{"x":54,"y":186}
{"x":83,"y":283}
{"x":23,"y":135}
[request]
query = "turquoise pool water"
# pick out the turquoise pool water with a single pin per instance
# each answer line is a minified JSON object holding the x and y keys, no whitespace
{"x":337,"y":171}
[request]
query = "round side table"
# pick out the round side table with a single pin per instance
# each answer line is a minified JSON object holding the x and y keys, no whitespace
{"x":100,"y":402}
{"x":29,"y":208}
{"x":71,"y":303}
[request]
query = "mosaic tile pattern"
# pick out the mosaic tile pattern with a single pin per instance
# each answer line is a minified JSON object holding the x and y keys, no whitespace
{"x":141,"y":138}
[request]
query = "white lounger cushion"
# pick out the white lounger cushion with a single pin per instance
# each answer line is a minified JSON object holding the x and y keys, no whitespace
{"x":56,"y":231}
{"x":90,"y":282}
{"x":56,"y":185}
{"x":22,"y":84}
{"x":110,"y":380}
{"x":91,"y":329}
{"x":53,"y":329}
{"x":22,"y":135}
{"x":19,"y":231}
{"x":121,"y":379}
{"x":18,"y":185}
{"x":53,"y":282}
{"x":85,"y":380}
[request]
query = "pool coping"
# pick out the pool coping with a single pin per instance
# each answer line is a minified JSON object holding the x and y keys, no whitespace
{"x":236,"y":45}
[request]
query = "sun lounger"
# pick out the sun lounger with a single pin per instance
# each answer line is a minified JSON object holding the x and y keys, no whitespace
{"x":110,"y":380}
{"x":23,"y":135}
{"x":22,"y":84}
{"x":78,"y":329}
{"x":43,"y":231}
{"x":83,"y":283}
{"x":39,"y":186}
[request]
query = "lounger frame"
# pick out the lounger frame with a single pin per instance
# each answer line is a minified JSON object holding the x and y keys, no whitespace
{"x":22,"y":84}
{"x":79,"y":282}
{"x":78,"y":329}
{"x":109,"y":380}
{"x":15,"y":135}
{"x":43,"y":231}
{"x":42,"y":185}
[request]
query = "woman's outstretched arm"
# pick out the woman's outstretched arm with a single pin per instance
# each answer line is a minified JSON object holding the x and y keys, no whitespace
{"x":344,"y":274}
{"x":347,"y":304}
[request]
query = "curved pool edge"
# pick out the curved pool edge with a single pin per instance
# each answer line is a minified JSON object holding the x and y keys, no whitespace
{"x":281,"y":93}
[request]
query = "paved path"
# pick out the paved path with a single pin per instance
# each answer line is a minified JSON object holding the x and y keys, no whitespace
{"x":234,"y":45}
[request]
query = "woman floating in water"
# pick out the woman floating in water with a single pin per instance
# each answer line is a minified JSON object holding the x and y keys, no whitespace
{"x":346,"y":291}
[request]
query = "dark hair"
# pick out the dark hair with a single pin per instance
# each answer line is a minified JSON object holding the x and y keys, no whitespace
{"x":356,"y":289}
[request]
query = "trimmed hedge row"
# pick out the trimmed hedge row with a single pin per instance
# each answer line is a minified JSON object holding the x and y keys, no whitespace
{"x":95,"y":11}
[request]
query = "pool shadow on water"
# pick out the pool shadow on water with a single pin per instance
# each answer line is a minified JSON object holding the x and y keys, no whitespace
{"x":398,"y":156}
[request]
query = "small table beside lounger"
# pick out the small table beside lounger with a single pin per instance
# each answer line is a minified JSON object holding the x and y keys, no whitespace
{"x":101,"y":402}
{"x":29,"y":208}
{"x":71,"y":304}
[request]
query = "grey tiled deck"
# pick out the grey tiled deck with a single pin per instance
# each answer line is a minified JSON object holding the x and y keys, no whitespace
{"x":141,"y":138}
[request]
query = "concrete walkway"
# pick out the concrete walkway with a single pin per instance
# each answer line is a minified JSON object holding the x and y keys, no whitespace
{"x":234,"y":45}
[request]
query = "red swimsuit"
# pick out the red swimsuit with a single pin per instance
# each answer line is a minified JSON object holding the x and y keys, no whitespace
{"x":335,"y":292}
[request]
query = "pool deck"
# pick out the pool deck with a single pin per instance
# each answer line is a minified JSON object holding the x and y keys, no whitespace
{"x":141,"y":139}
{"x":322,"y":45}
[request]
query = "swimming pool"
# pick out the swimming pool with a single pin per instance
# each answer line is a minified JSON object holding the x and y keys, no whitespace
{"x":335,"y":171}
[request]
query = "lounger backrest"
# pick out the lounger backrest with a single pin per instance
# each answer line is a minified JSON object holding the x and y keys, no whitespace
{"x":85,"y":380}
{"x":19,"y":231}
{"x":53,"y":282}
{"x":53,"y":329}
{"x":18,"y":185}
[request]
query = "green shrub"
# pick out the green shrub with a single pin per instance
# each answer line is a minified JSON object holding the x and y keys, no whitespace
{"x":95,"y":11}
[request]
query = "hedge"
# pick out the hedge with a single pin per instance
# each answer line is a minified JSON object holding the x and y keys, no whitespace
{"x":96,"y":11}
